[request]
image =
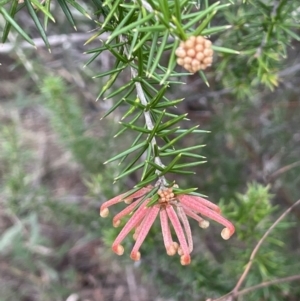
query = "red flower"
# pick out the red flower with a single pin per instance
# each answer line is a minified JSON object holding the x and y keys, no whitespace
{"x":170,"y":207}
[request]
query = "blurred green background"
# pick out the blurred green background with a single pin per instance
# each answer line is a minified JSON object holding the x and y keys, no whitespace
{"x":53,"y":244}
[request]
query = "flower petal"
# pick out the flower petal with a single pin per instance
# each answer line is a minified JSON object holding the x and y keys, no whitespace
{"x":147,"y":223}
{"x":199,"y":208}
{"x":133,"y":222}
{"x":119,"y":198}
{"x":185,"y":258}
{"x":166,"y":233}
{"x":186,"y":225}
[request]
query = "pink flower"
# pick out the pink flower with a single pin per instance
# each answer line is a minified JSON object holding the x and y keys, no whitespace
{"x":172,"y":209}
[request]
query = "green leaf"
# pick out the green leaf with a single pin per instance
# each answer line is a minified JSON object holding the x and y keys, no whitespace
{"x":9,"y":19}
{"x":166,"y":152}
{"x":154,"y":102}
{"x":203,"y":24}
{"x":136,"y":158}
{"x":171,"y":165}
{"x":128,"y":151}
{"x":37,"y":22}
{"x":126,"y":19}
{"x":44,"y":9}
{"x":121,"y":89}
{"x":152,"y":50}
{"x":182,"y":172}
{"x":178,"y":11}
{"x":132,"y":121}
{"x":79,"y":8}
{"x":197,"y":16}
{"x":147,"y":181}
{"x":66,"y":10}
{"x":204,"y":78}
{"x":110,"y":82}
{"x":46,"y":18}
{"x":142,"y":41}
{"x":93,"y":37}
{"x":156,"y":126}
{"x":129,"y":171}
{"x":186,"y":165}
{"x":12,"y":12}
{"x":156,"y":166}
{"x":154,"y":199}
{"x":133,"y":42}
{"x":110,"y":72}
{"x":159,"y":53}
{"x":112,"y":12}
{"x":151,"y":29}
{"x":291,"y":33}
{"x":179,"y":191}
{"x":149,"y":151}
{"x":178,"y":138}
{"x":171,"y":122}
{"x":129,"y":27}
{"x":216,"y":29}
{"x":135,"y":128}
{"x":172,"y":63}
{"x":224,"y":50}
{"x":179,"y":29}
{"x":117,"y":104}
{"x":167,"y":133}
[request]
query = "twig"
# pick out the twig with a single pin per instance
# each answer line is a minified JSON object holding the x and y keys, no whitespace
{"x":235,"y":292}
{"x":267,"y":283}
{"x":282,"y":170}
{"x":148,"y":118}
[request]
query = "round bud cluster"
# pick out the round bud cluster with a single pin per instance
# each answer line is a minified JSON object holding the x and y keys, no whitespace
{"x":195,"y":54}
{"x":165,"y":195}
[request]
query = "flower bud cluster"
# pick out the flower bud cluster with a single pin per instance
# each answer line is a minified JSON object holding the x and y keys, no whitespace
{"x":195,"y":54}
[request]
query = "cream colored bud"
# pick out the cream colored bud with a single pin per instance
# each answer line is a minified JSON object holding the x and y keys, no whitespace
{"x":225,"y":233}
{"x":175,"y":245}
{"x":136,"y":256}
{"x":192,"y":38}
{"x":208,"y":52}
{"x":191,"y":52}
{"x":180,"y":52}
{"x":208,"y":60}
{"x":204,"y":224}
{"x":181,"y":63}
{"x":187,"y":67}
{"x":195,"y":63}
{"x":195,"y":69}
{"x":128,"y":201}
{"x":199,"y":56}
{"x":189,"y":44}
{"x":185,"y":259}
{"x":199,"y":47}
{"x":207,"y":43}
{"x":200,"y":40}
{"x":104,"y":212}
{"x":171,"y":251}
{"x":116,"y":223}
{"x":187,"y":60}
{"x":120,"y":250}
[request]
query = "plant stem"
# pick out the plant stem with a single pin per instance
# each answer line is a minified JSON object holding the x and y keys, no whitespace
{"x":149,"y":122}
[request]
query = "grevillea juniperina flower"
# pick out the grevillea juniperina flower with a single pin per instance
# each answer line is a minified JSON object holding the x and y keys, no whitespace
{"x":172,"y":209}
